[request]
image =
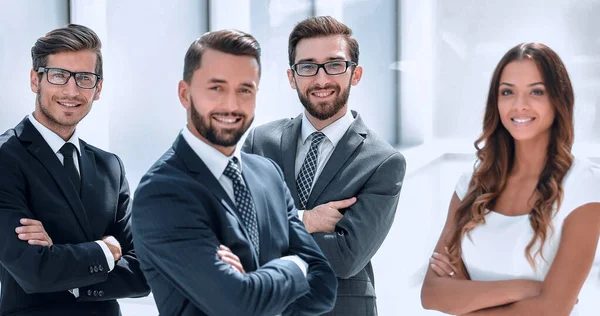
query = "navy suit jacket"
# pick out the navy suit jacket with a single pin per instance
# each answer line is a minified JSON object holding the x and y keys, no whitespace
{"x":181,"y":214}
{"x":35,"y":279}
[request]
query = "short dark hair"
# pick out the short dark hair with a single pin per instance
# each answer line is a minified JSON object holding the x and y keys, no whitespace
{"x":320,"y":26}
{"x":227,"y":41}
{"x":71,"y":38}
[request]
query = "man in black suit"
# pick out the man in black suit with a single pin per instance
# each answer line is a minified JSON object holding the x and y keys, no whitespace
{"x":344,"y":178}
{"x":215,"y":229}
{"x":64,"y":204}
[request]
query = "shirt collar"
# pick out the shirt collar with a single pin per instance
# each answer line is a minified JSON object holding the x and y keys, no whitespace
{"x":334,"y":131}
{"x":212,"y":158}
{"x":54,"y":141}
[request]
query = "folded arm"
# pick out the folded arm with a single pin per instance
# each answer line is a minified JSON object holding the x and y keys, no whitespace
{"x":364,"y":226}
{"x":37,"y":268}
{"x":321,"y":278}
{"x":126,"y":279}
{"x":458,"y":295}
{"x":167,"y":216}
{"x":568,"y":272}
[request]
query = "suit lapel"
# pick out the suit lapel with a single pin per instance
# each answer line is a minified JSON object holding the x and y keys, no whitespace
{"x":204,"y":176}
{"x":352,"y":139}
{"x":89,"y":180}
{"x":253,"y":183}
{"x":289,"y":146}
{"x":44,"y":154}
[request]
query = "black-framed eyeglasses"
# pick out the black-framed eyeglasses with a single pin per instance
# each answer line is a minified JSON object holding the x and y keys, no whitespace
{"x":336,"y":67}
{"x":58,"y":76}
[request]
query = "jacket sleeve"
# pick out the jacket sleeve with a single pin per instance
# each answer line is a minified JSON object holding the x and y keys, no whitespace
{"x":126,"y":279}
{"x":248,"y":146}
{"x":39,"y":269}
{"x":362,"y":230}
{"x":321,"y":278}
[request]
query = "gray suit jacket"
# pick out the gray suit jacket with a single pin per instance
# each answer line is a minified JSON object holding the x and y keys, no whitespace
{"x":363,"y":166}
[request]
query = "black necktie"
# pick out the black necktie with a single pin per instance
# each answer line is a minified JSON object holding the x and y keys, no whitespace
{"x":243,"y":200}
{"x":69,"y":164}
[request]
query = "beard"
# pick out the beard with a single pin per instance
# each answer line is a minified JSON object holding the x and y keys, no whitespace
{"x":46,"y":111}
{"x":225,"y":137}
{"x":325,"y":110}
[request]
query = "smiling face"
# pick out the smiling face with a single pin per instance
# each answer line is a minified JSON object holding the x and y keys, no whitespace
{"x":62,"y":107}
{"x":325,"y":97}
{"x":220,"y":98}
{"x":524,"y":105}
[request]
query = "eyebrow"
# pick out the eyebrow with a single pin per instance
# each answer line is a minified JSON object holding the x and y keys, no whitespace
{"x":312,"y":60}
{"x":222,"y":81}
{"x":529,"y":85}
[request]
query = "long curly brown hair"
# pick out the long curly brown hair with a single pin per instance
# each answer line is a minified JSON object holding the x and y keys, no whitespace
{"x":496,"y":154}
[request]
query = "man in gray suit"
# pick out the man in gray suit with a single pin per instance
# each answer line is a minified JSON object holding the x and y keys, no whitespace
{"x":345,"y":178}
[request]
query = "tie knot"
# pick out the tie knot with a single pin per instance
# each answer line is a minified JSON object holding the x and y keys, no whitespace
{"x":317,"y":138}
{"x":67,"y":149}
{"x":232,"y":171}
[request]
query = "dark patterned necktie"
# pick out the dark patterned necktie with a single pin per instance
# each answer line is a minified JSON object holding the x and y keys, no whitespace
{"x":306,"y":175}
{"x":244,"y":202}
{"x":67,"y":151}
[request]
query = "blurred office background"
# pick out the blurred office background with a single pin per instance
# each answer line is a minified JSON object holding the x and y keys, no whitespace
{"x":427,"y":66}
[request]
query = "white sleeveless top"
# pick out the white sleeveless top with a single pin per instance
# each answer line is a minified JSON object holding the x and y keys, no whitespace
{"x":496,"y":249}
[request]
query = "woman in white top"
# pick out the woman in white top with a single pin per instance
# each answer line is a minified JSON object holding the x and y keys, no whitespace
{"x":523,"y":227}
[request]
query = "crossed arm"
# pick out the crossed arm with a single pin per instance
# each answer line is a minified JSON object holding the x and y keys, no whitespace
{"x":556,"y":295}
{"x":365,"y":224}
{"x":196,"y":269}
{"x":40,"y":266}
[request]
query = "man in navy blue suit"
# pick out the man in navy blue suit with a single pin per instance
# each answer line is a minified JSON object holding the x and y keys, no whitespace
{"x":215,"y":229}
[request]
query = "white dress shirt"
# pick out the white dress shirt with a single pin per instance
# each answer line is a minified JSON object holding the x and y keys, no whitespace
{"x":56,"y":142}
{"x":333,"y":134}
{"x":216,"y":162}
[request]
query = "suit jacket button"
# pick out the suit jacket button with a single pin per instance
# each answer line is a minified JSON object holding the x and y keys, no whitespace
{"x":100,"y":268}
{"x":95,"y":292}
{"x":89,"y":292}
{"x":101,"y":293}
{"x":95,"y":268}
{"x":91,"y":269}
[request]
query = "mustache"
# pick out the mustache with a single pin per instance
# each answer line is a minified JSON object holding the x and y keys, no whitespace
{"x":234,"y":113}
{"x":70,"y":100}
{"x":327,"y":86}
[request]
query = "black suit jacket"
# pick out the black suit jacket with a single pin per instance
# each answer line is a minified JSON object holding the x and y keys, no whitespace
{"x":181,"y":214}
{"x":362,"y":165}
{"x":35,"y":279}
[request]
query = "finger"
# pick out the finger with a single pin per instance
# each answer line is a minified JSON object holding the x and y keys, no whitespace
{"x":235,"y":264}
{"x":342,"y":203}
{"x":225,"y":248}
{"x":29,"y":221}
{"x":445,"y":259}
{"x":39,"y":242}
{"x":33,"y":236}
{"x":442,"y":265}
{"x":29,"y":229}
{"x":438,"y":270}
{"x":228,"y":254}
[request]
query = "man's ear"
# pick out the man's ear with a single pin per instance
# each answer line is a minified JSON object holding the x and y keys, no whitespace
{"x":356,"y":75}
{"x":34,"y":81}
{"x":292,"y":80}
{"x":184,"y":94}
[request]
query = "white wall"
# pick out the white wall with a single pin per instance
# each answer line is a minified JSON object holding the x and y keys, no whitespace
{"x":147,"y":44}
{"x":471,"y":37}
{"x":23,"y":22}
